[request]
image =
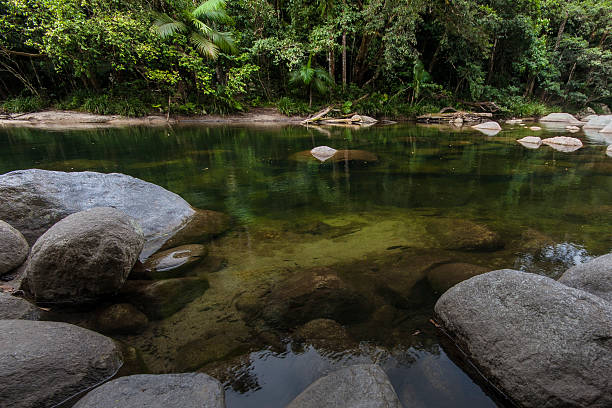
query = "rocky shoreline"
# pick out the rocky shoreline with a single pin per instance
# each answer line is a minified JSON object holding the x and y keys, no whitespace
{"x":119,"y":250}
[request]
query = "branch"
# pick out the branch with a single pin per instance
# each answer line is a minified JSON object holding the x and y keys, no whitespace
{"x":22,"y":54}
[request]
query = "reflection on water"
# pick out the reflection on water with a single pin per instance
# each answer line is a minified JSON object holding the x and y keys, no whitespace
{"x":341,"y":261}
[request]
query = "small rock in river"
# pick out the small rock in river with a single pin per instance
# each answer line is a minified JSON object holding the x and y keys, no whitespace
{"x":355,"y":386}
{"x":530,"y":142}
{"x":323,"y":153}
{"x":121,"y":318}
{"x":174,"y":262}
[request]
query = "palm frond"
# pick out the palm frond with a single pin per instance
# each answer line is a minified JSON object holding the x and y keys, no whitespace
{"x":165,"y":26}
{"x":211,"y":8}
{"x":204,"y":46}
{"x":224,"y":40}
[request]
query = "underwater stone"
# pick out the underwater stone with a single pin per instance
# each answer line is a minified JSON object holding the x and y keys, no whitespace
{"x":122,"y":318}
{"x":163,"y":298}
{"x":463,"y":235}
{"x":173,"y":262}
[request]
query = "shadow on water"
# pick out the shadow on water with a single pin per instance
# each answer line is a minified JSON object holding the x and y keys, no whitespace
{"x":342,"y":261}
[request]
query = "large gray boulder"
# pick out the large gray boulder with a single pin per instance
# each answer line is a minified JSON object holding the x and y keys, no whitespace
{"x":594,"y":276}
{"x":358,"y":386}
{"x":542,"y":343}
{"x":45,"y":363}
{"x":33,"y":200}
{"x":12,"y":307}
{"x":190,"y":390}
{"x":598,"y":121}
{"x":560,"y":118}
{"x":84,"y":257}
{"x":13,"y":248}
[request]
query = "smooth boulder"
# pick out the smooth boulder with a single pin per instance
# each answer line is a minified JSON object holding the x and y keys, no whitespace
{"x":12,"y":307}
{"x":598,"y":122}
{"x":560,"y":117}
{"x":84,"y":257}
{"x":189,"y":390}
{"x":530,"y":142}
{"x":33,"y":200}
{"x":541,"y":342}
{"x":594,"y":276}
{"x":357,"y":386}
{"x":44,"y":363}
{"x":13,"y":248}
{"x":463,"y":235}
{"x":488,"y":126}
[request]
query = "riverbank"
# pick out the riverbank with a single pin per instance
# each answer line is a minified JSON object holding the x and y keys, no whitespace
{"x":72,"y":119}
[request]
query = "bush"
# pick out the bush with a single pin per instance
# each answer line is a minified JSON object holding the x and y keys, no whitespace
{"x":23,"y":104}
{"x":290,"y":107}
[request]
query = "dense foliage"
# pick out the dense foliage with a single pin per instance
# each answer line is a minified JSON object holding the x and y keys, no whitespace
{"x":390,"y":57}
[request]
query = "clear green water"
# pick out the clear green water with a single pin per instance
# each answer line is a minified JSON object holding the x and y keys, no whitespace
{"x":383,"y":227}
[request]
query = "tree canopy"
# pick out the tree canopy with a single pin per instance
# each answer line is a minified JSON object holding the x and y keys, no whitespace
{"x":388,"y":56}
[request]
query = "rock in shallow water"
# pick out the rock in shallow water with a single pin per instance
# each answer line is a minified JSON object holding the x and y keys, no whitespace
{"x":12,"y":307}
{"x":463,"y":235}
{"x":173,"y":262}
{"x":190,"y":390}
{"x":541,"y":342}
{"x":358,"y":386}
{"x":84,"y":257}
{"x":594,"y":276}
{"x":13,"y":248}
{"x":44,"y":363}
{"x":33,"y":200}
{"x":121,"y":318}
{"x":163,"y":298}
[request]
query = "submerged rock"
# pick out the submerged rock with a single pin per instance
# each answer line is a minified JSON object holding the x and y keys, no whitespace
{"x":530,"y":142}
{"x":44,"y":363}
{"x":163,"y":298}
{"x":463,"y":235}
{"x":356,"y":386}
{"x":594,"y":276}
{"x":122,"y":318}
{"x":311,"y":294}
{"x":202,"y":226}
{"x":84,"y":257}
{"x":445,"y":276}
{"x":33,"y":200}
{"x":173,"y":262}
{"x":190,"y":390}
{"x":541,"y":342}
{"x":12,"y":307}
{"x":324,"y":333}
{"x":560,"y":117}
{"x":13,"y":248}
{"x":535,"y":128}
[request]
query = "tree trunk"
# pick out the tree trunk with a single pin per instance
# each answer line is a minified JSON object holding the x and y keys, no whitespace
{"x":344,"y":58}
{"x":332,"y":63}
{"x":310,"y":96}
{"x":360,"y":60}
{"x":492,"y":62}
{"x":561,"y":29}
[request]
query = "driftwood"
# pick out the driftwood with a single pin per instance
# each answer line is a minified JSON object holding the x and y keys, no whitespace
{"x":320,"y":118}
{"x":459,"y":116}
{"x":488,"y":106}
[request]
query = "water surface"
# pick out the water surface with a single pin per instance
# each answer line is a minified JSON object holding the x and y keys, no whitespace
{"x":385,"y":224}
